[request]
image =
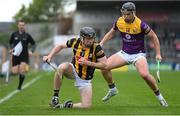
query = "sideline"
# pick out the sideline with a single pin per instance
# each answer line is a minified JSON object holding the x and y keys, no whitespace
{"x":16,"y":91}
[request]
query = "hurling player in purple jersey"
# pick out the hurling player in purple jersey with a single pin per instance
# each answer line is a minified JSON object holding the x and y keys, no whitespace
{"x":132,"y":31}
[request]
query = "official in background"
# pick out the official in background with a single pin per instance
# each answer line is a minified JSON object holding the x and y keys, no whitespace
{"x":19,"y":42}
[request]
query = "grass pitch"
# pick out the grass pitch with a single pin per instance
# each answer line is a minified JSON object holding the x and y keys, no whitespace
{"x":134,"y":96}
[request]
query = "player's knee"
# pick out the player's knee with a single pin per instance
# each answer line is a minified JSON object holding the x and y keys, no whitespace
{"x":144,"y":74}
{"x":63,"y":67}
{"x":22,"y":69}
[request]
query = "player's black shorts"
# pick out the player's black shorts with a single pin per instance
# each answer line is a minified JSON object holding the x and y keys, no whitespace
{"x":16,"y":60}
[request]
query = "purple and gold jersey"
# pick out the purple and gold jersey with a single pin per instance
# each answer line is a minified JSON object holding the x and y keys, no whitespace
{"x":132,"y":34}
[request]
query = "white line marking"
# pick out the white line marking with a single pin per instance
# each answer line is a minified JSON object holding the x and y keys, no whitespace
{"x":16,"y":91}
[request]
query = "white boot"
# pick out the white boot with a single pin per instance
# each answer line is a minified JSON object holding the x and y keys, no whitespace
{"x":111,"y":92}
{"x":162,"y":101}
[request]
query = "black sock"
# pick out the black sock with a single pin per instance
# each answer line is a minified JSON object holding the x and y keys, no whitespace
{"x":21,"y":80}
{"x":56,"y":93}
{"x":157,"y":92}
{"x":111,"y":86}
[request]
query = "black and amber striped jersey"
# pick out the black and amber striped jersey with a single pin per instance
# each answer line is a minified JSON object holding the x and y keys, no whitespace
{"x":92,"y":54}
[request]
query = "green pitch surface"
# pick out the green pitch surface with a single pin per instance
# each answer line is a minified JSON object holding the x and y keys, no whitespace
{"x":134,"y":96}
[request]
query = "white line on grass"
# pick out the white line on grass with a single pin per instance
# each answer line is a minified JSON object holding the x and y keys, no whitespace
{"x":16,"y":91}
